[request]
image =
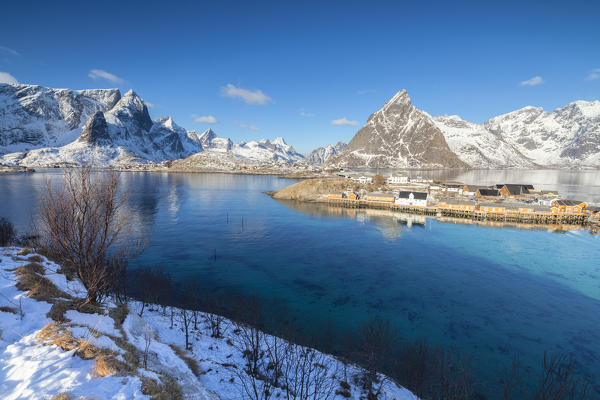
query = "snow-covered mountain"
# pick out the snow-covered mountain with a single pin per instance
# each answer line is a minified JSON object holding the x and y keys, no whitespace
{"x":321,"y":155}
{"x":276,"y":150}
{"x":399,"y":135}
{"x":568,"y":136}
{"x":42,"y":126}
{"x":33,"y":116}
{"x":479,"y":147}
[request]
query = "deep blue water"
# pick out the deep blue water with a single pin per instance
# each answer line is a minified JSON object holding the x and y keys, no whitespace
{"x":490,"y":292}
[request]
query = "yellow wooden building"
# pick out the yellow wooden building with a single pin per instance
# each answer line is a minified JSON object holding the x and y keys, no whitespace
{"x":568,"y":206}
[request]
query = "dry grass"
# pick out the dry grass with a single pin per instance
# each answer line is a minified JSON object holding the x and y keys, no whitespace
{"x":58,"y":309}
{"x":31,"y":268}
{"x":8,"y":309}
{"x":167,"y":389}
{"x":40,"y":288}
{"x":62,"y":396}
{"x":35,"y":258}
{"x":189,"y":361}
{"x":106,"y":361}
{"x":312,"y":189}
{"x":25,"y":251}
{"x":118,"y":314}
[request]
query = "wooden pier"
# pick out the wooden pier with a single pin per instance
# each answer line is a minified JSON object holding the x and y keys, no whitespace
{"x":477,"y":215}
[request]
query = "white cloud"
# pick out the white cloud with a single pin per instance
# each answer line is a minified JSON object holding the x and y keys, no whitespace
{"x":536,"y":80}
{"x":594,"y":74}
{"x":206,"y":119}
{"x":343,"y":122}
{"x":8,"y":50}
{"x":243,"y":125}
{"x":148,"y":104}
{"x":361,"y":92}
{"x":306,"y":114}
{"x":254,"y":97}
{"x":5,"y":77}
{"x":100,"y":74}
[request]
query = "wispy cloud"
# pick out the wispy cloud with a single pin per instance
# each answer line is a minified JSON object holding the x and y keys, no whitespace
{"x":205,"y":119}
{"x":8,"y":50}
{"x":343,"y":122}
{"x":593,"y":75}
{"x":5,"y":77}
{"x":101,"y":74}
{"x":254,"y":97}
{"x":148,"y":104}
{"x":361,"y":92}
{"x":536,"y":80}
{"x":306,"y":114}
{"x":243,"y":125}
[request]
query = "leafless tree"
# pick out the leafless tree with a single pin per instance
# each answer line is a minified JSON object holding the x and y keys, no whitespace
{"x":7,"y":232}
{"x":558,"y":380}
{"x":375,"y":344}
{"x":85,"y":226}
{"x":215,"y":307}
{"x":308,"y":374}
{"x":186,"y":320}
{"x":147,"y":341}
{"x":434,"y":373}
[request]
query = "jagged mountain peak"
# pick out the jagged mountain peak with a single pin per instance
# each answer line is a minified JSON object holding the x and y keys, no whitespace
{"x":95,"y":131}
{"x":398,"y":135}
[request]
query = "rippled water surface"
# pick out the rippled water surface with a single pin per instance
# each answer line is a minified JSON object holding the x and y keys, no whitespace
{"x":491,"y":292}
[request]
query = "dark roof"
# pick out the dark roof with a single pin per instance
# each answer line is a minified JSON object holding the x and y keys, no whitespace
{"x":417,"y":195}
{"x":515,"y":190}
{"x":568,"y":202}
{"x":489,"y":192}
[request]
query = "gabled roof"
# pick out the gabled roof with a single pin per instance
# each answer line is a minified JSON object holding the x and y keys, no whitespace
{"x":416,"y":195}
{"x":515,"y":189}
{"x":489,"y":192}
{"x":568,"y":202}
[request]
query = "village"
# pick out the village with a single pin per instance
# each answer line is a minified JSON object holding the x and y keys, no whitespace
{"x":504,"y":202}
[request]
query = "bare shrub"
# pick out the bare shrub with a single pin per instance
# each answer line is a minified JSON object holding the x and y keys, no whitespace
{"x":435,"y":373}
{"x":166,"y":389}
{"x":7,"y":232}
{"x":558,"y":380}
{"x":189,"y":361}
{"x":215,"y":307}
{"x":85,"y":226}
{"x":374,"y":347}
{"x":308,"y":374}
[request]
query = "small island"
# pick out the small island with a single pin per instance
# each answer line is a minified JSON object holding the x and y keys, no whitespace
{"x":502,"y":202}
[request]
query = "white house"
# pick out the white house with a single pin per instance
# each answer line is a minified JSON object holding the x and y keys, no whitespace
{"x":365,"y":179}
{"x":453,"y":188}
{"x":412,"y":198}
{"x":394,"y":179}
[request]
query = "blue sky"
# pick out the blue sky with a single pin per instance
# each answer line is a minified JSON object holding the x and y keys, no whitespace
{"x":290,"y":69}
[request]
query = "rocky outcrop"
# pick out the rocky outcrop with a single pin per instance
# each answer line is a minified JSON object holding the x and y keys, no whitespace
{"x":399,"y":136}
{"x":95,"y":130}
{"x":323,"y":154}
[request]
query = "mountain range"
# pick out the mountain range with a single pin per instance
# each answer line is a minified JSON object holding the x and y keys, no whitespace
{"x":402,"y":136}
{"x":41,"y":126}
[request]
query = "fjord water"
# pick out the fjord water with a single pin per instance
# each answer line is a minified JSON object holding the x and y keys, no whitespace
{"x":490,"y":292}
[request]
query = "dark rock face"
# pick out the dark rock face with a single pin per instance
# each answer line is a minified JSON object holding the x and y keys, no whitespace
{"x":399,"y":135}
{"x":95,"y":130}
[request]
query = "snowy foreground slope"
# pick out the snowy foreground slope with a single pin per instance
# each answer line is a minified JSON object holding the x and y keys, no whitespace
{"x":96,"y":352}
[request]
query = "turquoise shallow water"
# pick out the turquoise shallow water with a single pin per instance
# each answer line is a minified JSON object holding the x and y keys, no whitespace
{"x":491,"y":292}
